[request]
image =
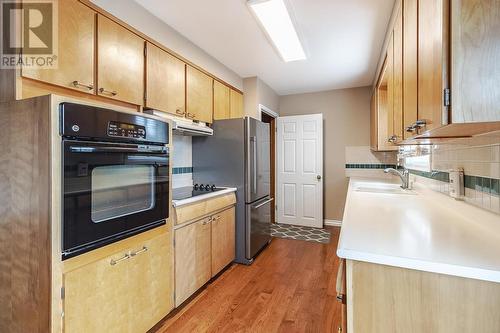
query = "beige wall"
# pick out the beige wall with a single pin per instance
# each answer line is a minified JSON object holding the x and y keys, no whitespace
{"x":346,"y":114}
{"x":142,"y":20}
{"x":258,"y":92}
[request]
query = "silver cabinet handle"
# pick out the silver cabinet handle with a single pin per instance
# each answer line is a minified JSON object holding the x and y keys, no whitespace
{"x":114,"y":262}
{"x":144,"y":249}
{"x":104,"y":91}
{"x":77,"y":84}
{"x":392,"y":138}
{"x":179,"y":111}
{"x":264,"y":203}
{"x":190,"y":115}
{"x":416,"y":125}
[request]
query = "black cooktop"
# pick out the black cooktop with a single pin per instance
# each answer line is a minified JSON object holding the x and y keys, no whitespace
{"x":193,"y":191}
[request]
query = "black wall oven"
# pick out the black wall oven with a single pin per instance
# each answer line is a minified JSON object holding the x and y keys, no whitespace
{"x":115,"y":176}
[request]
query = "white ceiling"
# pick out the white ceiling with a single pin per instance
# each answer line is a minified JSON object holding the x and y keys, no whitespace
{"x":342,"y":39}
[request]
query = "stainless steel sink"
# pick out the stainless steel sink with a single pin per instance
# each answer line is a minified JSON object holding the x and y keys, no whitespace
{"x":385,"y":189}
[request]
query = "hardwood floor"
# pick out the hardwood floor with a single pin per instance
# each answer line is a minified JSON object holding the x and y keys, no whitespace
{"x":289,"y":288}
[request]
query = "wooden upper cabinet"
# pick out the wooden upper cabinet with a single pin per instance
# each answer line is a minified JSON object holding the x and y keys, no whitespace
{"x":120,"y":62}
{"x":397,"y":127}
{"x":199,"y":89}
{"x":410,"y":65}
{"x":165,"y":81}
{"x":236,"y":104}
{"x":223,"y":239}
{"x":475,"y":54}
{"x":373,"y":122}
{"x":76,"y":31}
{"x":221,"y":101}
{"x":389,"y":78}
{"x":432,"y":62}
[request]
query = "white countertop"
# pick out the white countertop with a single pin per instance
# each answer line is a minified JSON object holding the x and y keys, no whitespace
{"x":429,"y":232}
{"x":226,"y":190}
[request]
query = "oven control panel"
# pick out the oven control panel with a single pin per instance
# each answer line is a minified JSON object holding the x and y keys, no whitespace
{"x":123,"y":130}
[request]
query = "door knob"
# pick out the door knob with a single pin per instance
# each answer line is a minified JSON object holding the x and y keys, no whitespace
{"x":318,"y":177}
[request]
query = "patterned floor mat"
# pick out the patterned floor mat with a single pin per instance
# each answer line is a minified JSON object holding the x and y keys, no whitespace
{"x":300,"y":233}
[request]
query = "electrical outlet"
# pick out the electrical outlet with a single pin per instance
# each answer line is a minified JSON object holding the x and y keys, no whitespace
{"x":457,"y":188}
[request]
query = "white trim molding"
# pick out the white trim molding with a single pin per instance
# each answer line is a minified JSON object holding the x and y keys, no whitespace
{"x":332,"y":223}
{"x":268,"y":111}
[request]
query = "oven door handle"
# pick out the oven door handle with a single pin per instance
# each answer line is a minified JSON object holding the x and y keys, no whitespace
{"x":134,"y":149}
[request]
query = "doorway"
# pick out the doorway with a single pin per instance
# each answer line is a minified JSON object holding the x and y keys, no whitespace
{"x":268,"y":116}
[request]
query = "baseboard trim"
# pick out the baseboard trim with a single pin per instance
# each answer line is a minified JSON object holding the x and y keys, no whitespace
{"x":333,"y":223}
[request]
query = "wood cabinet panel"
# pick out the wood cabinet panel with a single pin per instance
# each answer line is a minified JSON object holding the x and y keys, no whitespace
{"x":389,"y":77}
{"x":373,"y":122}
{"x":165,"y":81}
{"x":151,"y":277}
{"x":398,"y":77}
{"x":236,"y":104}
{"x":410,"y":64}
{"x":129,"y":291}
{"x":199,"y":209}
{"x":192,"y":258}
{"x":223,"y":239}
{"x":76,"y":58}
{"x":221,"y":101}
{"x":417,"y":301}
{"x":432,"y":62}
{"x":475,"y":61}
{"x":199,"y":89}
{"x":120,"y":62}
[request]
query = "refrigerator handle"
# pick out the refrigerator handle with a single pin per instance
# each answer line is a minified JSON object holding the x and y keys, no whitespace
{"x":253,"y":139}
{"x":264,"y":203}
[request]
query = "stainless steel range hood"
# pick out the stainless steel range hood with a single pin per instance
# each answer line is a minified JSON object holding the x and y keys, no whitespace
{"x":182,"y":126}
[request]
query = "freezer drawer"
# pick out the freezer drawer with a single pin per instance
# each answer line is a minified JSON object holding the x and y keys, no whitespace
{"x":258,"y":224}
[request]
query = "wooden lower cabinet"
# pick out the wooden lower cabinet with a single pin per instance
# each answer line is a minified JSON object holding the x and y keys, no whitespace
{"x":129,"y":291}
{"x":223,"y":239}
{"x":202,"y":249}
{"x":192,"y":258}
{"x":391,"y":299}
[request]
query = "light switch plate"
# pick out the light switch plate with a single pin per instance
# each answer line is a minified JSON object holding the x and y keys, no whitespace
{"x":457,"y":188}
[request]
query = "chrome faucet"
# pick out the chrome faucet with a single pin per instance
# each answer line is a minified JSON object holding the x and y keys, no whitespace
{"x":404,"y":175}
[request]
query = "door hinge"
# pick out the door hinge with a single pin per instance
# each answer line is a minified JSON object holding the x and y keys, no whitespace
{"x":145,"y":50}
{"x":447,"y":97}
{"x":62,"y":292}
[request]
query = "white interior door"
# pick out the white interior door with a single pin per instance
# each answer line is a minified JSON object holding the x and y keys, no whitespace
{"x":299,"y":189}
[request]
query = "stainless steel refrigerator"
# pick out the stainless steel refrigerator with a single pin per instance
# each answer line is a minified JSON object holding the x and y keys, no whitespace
{"x":238,"y":155}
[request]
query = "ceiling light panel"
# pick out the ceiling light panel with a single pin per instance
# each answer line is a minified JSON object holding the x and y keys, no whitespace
{"x":275,"y":19}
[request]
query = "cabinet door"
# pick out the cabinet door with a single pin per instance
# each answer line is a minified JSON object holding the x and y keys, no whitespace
{"x":236,"y":104}
{"x":397,"y":130}
{"x":76,"y":31}
{"x":97,"y":296}
{"x":223,"y":239}
{"x":221,"y":101}
{"x":199,"y":87}
{"x":410,"y":64}
{"x":192,"y":259}
{"x":129,"y":291}
{"x":475,"y":61}
{"x":373,"y":122}
{"x":150,"y":275}
{"x":165,"y":81}
{"x":432,"y":55}
{"x":120,"y":62}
